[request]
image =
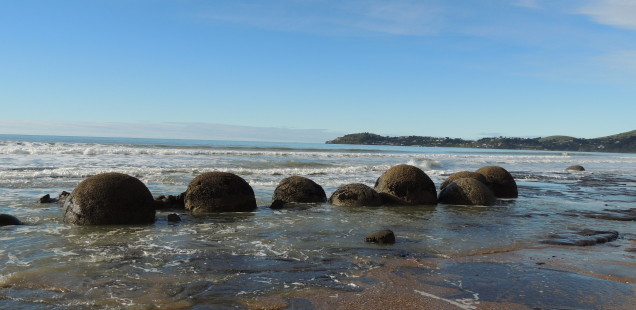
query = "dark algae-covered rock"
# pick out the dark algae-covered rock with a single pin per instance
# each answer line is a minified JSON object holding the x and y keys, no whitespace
{"x":110,"y":199}
{"x":6,"y":219}
{"x":467,"y":191}
{"x":582,"y":238}
{"x":406,"y":184}
{"x":500,"y":181}
{"x":355,"y":195}
{"x":300,"y":190}
{"x":382,"y":236}
{"x":463,"y":174}
{"x":219,"y":192}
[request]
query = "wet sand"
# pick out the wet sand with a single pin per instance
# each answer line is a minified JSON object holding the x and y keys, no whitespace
{"x":548,"y":277}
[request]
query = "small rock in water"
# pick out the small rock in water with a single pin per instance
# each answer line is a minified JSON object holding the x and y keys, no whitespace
{"x":382,"y":236}
{"x":47,"y":199}
{"x":582,"y":238}
{"x":6,"y":219}
{"x":174,"y":217}
{"x":575,"y":168}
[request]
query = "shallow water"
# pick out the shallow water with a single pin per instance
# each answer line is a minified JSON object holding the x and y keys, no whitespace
{"x":221,"y":260}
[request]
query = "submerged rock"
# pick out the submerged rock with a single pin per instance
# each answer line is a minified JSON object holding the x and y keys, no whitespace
{"x":382,"y":236}
{"x":300,"y":190}
{"x":575,"y":168}
{"x":355,"y":195}
{"x":406,"y":184}
{"x":500,"y":181}
{"x":467,"y":191}
{"x":6,"y":219}
{"x":463,"y":174}
{"x":219,"y":192}
{"x":110,"y":199}
{"x":584,"y":237}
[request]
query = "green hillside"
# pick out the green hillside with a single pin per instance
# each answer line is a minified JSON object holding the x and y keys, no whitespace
{"x":619,"y":143}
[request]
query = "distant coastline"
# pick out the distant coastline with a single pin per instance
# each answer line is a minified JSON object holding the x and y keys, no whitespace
{"x":619,"y":143}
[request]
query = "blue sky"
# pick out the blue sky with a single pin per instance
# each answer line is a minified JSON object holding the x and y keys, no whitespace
{"x":312,"y":70}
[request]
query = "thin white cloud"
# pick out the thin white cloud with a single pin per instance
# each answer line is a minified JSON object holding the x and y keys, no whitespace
{"x":396,"y":17}
{"x":532,"y":4}
{"x":621,"y":61}
{"x":350,"y":17}
{"x":203,"y":131}
{"x":616,"y":13}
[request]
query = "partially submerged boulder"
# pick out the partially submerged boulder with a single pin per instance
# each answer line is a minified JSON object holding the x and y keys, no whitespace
{"x":463,"y":174}
{"x":6,"y":219}
{"x":500,"y":181}
{"x":406,"y":184}
{"x":467,"y":191}
{"x":300,"y":190}
{"x":219,"y":192}
{"x":110,"y":199}
{"x":355,"y":195}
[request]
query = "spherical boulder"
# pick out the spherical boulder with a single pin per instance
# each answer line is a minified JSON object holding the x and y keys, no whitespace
{"x":500,"y":181}
{"x":299,"y":189}
{"x":467,"y":191}
{"x":463,"y":174}
{"x":110,"y":199}
{"x":355,"y":195}
{"x":575,"y":168}
{"x":6,"y":219}
{"x":406,"y":184}
{"x":219,"y":192}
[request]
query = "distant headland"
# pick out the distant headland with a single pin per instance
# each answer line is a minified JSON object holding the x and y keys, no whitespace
{"x":619,"y":143}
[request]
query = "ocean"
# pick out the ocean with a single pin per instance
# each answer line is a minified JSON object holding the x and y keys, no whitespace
{"x":312,"y":256}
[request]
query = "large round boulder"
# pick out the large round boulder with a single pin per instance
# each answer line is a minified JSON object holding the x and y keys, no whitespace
{"x":500,"y":181}
{"x":110,"y":199}
{"x":575,"y":168}
{"x":6,"y":219}
{"x":355,"y":195}
{"x":219,"y":192}
{"x":300,"y":190}
{"x":463,"y":174}
{"x":406,"y":184}
{"x":467,"y":191}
